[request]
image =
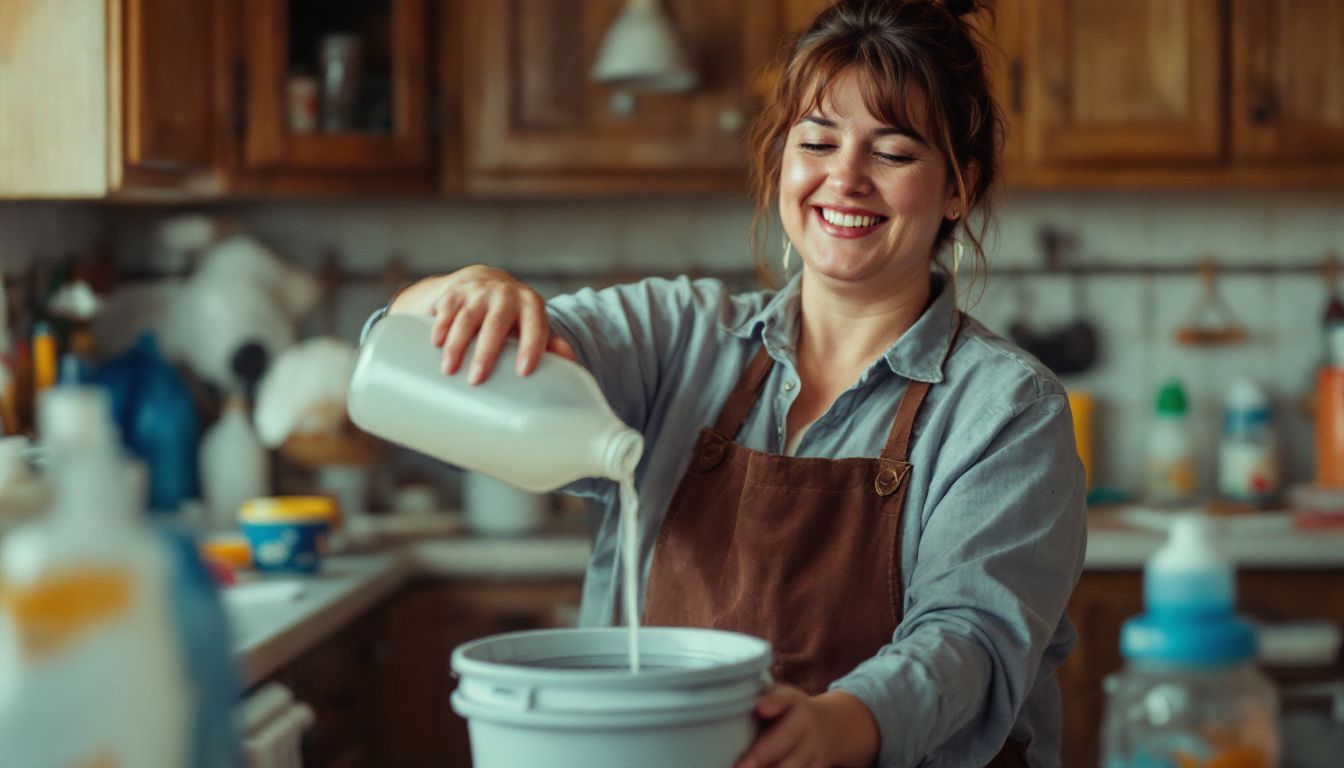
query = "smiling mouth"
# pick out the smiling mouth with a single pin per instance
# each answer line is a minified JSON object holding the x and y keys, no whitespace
{"x":847,"y":224}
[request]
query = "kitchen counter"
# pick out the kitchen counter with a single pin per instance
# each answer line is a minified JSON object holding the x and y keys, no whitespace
{"x":277,"y":619}
{"x":1124,"y":538}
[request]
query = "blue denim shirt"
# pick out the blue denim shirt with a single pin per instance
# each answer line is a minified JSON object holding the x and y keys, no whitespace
{"x":993,"y":531}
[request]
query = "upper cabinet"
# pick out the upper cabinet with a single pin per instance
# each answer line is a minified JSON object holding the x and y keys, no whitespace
{"x":135,"y":99}
{"x":332,"y":95}
{"x":1287,"y":88}
{"x":1176,"y":92}
{"x":1118,"y":82}
{"x":106,"y":97}
{"x":535,"y":120}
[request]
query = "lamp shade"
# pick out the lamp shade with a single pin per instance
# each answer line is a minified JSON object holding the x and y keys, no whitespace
{"x":641,"y":52}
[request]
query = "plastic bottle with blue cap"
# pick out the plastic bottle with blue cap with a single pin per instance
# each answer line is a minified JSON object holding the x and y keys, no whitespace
{"x":1190,"y":695}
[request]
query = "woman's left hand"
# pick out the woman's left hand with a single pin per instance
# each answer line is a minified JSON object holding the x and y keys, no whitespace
{"x":832,"y":729}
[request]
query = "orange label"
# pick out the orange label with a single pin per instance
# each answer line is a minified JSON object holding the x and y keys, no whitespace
{"x":53,"y":613}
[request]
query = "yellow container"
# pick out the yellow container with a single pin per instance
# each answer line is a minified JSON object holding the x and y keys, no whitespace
{"x":287,"y":533}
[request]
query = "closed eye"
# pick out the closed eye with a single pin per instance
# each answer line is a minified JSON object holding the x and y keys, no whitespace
{"x":895,"y":159}
{"x":808,"y":147}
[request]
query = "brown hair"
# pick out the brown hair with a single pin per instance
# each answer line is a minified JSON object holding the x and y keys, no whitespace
{"x":895,"y":45}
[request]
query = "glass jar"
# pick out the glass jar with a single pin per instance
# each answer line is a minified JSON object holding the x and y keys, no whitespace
{"x":1160,"y":716}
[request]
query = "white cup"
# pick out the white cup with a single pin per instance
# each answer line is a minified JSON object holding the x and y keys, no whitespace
{"x":494,"y":508}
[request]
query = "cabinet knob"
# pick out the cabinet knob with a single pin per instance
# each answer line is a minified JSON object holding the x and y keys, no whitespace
{"x":1262,"y":107}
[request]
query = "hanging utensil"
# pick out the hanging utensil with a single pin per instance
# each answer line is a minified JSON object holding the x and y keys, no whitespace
{"x":1068,"y":349}
{"x":1211,"y":322}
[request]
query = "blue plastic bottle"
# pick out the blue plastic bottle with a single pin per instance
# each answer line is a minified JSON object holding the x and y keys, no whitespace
{"x":1190,"y":695}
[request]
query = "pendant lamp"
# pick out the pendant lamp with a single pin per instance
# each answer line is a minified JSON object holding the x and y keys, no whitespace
{"x":641,"y":52}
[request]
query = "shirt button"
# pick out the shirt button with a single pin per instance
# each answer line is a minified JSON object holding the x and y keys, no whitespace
{"x":789,"y":385}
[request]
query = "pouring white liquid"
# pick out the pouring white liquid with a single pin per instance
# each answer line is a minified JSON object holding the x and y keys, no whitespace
{"x":629,"y":536}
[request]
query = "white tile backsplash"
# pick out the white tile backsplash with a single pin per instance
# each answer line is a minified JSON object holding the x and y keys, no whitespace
{"x":576,"y":242}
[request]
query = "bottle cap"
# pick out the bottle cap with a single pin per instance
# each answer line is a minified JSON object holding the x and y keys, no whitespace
{"x":1189,"y":595}
{"x":1171,"y":399}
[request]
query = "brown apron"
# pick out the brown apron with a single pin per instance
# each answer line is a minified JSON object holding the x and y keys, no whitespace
{"x":803,"y":552}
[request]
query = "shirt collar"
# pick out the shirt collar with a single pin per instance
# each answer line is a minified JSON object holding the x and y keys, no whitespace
{"x":918,"y":354}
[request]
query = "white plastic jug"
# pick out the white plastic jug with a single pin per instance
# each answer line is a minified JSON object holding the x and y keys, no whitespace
{"x":536,"y":432}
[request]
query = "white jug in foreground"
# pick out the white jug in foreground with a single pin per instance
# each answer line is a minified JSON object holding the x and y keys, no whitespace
{"x":537,"y":432}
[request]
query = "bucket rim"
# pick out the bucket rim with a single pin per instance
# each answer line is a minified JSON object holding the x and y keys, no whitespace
{"x":754,"y":659}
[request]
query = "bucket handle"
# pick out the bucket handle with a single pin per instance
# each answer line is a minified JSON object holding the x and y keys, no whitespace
{"x":521,"y":698}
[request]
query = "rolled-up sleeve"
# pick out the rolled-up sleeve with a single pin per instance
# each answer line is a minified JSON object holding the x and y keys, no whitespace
{"x":1000,"y":551}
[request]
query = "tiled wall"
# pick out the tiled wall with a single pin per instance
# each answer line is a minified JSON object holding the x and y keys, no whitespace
{"x":1135,"y":314}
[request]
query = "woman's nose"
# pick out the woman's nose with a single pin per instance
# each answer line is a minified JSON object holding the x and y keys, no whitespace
{"x":849,"y":176}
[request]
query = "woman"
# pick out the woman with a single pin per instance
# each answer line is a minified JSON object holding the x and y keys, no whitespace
{"x":848,"y":467}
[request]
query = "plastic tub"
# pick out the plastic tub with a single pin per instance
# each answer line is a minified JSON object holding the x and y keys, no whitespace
{"x":565,"y":698}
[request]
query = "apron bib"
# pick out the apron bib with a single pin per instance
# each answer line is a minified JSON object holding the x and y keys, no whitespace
{"x":803,"y":552}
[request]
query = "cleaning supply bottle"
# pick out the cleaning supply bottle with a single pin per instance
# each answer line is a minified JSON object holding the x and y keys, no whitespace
{"x":1248,"y":464}
{"x":1170,"y":477}
{"x":91,"y":664}
{"x":1330,"y":400}
{"x":1190,"y":695}
{"x":536,"y":432}
{"x":234,"y":465}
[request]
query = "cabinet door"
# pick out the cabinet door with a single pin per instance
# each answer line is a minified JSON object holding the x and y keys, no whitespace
{"x":1288,"y":80}
{"x":1111,"y":82}
{"x":365,"y":67}
{"x":167,"y":64}
{"x":424,"y":624}
{"x":536,"y":122}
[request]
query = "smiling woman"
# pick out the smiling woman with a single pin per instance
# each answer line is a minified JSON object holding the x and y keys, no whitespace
{"x":849,"y":467}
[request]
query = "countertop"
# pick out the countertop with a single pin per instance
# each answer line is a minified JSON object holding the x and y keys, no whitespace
{"x":277,"y":619}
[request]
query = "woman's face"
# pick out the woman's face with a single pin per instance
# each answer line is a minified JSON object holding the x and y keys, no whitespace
{"x":861,"y":201}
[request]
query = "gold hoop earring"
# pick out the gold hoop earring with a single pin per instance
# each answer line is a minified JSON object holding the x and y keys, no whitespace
{"x":788,"y":251}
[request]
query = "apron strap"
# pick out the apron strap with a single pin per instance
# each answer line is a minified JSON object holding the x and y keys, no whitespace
{"x":744,"y":395}
{"x":898,"y":440}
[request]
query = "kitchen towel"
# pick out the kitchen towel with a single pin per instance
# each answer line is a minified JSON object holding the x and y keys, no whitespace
{"x":274,"y":724}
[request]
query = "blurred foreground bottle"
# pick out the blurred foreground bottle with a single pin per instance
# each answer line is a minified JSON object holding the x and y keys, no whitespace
{"x":537,"y":432}
{"x":110,"y":643}
{"x":1190,"y":695}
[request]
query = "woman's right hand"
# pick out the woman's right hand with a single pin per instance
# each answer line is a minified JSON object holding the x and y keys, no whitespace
{"x":487,"y":305}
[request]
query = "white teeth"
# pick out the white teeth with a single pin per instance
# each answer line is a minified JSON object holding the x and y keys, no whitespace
{"x":848,"y":220}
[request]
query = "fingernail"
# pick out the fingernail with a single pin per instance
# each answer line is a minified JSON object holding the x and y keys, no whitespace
{"x":447,"y":366}
{"x":477,"y":373}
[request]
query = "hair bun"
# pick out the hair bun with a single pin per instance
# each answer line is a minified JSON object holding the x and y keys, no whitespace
{"x":959,"y":7}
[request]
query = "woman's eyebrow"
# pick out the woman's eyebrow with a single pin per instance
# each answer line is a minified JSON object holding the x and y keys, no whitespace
{"x":906,"y":131}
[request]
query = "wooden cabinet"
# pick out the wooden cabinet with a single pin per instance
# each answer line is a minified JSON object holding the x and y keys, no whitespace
{"x":380,"y":687}
{"x":535,"y":122}
{"x":1176,"y":93}
{"x":1123,"y":82}
{"x":339,"y":679}
{"x":422,"y":626}
{"x":106,"y":98}
{"x":1287,"y":88}
{"x":1105,"y":599}
{"x":371,"y":134}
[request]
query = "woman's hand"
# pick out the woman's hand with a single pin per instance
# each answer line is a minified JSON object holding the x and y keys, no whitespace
{"x":487,"y":305}
{"x":832,"y":729}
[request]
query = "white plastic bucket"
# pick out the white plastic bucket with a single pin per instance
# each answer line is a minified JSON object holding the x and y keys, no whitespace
{"x":565,"y":698}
